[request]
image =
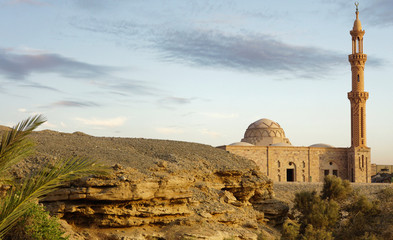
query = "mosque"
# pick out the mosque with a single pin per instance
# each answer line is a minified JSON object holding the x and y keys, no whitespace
{"x":265,"y":142}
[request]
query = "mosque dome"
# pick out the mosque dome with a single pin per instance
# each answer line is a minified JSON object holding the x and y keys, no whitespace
{"x":265,"y":132}
{"x":241,"y":144}
{"x":321,"y":145}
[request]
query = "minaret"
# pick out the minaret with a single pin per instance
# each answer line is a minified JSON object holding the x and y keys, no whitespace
{"x":359,"y":164}
{"x":358,"y":96}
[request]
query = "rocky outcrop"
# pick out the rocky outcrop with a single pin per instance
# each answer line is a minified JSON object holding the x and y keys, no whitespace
{"x":127,"y":199}
{"x":157,"y":190}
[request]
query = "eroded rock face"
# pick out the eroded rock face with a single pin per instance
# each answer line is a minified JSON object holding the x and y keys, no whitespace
{"x":162,"y":190}
{"x":129,"y":199}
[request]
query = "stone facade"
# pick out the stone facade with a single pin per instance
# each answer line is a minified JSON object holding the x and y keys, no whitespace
{"x":300,"y":164}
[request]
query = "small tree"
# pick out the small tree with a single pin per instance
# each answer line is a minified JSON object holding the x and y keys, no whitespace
{"x":334,"y":188}
{"x":290,"y":230}
{"x":316,"y":234}
{"x":320,"y":213}
{"x":362,"y":219}
{"x":36,"y":224}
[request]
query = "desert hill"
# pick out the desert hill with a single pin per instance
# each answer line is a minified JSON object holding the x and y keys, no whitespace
{"x":159,"y":189}
{"x":138,"y":153}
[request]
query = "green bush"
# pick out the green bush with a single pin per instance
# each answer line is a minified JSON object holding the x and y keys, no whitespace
{"x":334,"y":188}
{"x":362,"y":221}
{"x":37,"y":224}
{"x":340,"y":213}
{"x":320,"y":213}
{"x":316,"y":234}
{"x":290,"y":230}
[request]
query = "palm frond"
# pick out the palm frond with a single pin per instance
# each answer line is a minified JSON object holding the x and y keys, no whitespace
{"x":17,"y":202}
{"x":14,"y":145}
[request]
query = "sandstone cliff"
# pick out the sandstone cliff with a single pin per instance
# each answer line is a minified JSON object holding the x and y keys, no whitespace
{"x":158,"y":190}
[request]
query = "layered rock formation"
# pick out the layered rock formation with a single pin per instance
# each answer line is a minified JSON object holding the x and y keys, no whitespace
{"x":159,"y":190}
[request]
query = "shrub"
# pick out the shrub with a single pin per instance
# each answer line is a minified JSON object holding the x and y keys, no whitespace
{"x":320,"y":213}
{"x":362,"y":219}
{"x":316,"y":234}
{"x":334,"y":188}
{"x":290,"y":230}
{"x":37,"y":224}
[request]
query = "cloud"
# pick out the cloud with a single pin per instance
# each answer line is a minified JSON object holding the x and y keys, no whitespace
{"x":216,"y":49}
{"x":257,"y":53}
{"x":243,"y":51}
{"x":220,"y":115}
{"x":96,"y":5}
{"x":169,"y":130}
{"x":39,"y":86}
{"x":19,"y":66}
{"x":71,"y":103}
{"x":49,"y":125}
{"x":175,"y":100}
{"x":112,"y":122}
{"x":170,"y":102}
{"x":379,"y":12}
{"x":31,"y":2}
{"x":210,"y":133}
{"x":131,"y":86}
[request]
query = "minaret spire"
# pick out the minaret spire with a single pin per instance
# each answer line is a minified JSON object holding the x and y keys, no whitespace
{"x":358,"y":96}
{"x":359,"y":156}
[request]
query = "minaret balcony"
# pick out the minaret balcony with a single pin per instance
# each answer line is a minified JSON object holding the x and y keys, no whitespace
{"x":358,"y":95}
{"x":357,"y":56}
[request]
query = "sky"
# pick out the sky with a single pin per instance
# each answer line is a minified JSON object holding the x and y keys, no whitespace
{"x":196,"y":70}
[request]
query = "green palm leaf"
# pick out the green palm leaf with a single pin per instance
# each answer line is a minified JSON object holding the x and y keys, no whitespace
{"x":18,"y":201}
{"x":13,"y":147}
{"x":14,"y":144}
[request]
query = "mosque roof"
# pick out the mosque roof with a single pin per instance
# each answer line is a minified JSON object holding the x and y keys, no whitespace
{"x":241,"y":144}
{"x":321,"y":145}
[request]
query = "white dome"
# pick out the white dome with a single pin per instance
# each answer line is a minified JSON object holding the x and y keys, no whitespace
{"x":241,"y":144}
{"x":321,"y":145}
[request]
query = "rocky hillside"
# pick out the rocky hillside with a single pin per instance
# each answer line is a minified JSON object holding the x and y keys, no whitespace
{"x":158,"y":190}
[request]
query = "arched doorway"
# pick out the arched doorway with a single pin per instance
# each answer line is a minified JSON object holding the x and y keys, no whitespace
{"x":291,"y":172}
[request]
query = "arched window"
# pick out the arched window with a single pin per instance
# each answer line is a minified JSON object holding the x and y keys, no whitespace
{"x":358,"y":44}
{"x":361,"y":122}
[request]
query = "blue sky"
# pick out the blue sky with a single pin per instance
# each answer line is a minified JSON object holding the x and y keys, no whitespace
{"x":195,"y":70}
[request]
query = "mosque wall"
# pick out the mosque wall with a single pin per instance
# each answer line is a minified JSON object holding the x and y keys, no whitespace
{"x":258,"y":154}
{"x":359,"y":159}
{"x":297,"y":164}
{"x":331,"y":161}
